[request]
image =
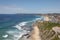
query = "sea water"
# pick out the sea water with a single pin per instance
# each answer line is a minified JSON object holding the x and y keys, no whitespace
{"x":13,"y":26}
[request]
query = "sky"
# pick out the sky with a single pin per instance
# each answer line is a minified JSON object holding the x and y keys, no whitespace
{"x":29,"y":6}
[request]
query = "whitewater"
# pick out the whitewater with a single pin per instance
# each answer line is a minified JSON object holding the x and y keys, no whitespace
{"x":18,"y":34}
{"x":22,"y":28}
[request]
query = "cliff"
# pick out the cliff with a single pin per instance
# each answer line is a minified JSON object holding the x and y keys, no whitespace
{"x":47,"y":31}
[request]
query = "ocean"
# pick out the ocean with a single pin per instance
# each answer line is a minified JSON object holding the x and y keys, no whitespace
{"x":13,"y":26}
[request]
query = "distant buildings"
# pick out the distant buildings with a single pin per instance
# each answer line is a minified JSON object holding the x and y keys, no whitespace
{"x":52,"y":18}
{"x":46,"y":18}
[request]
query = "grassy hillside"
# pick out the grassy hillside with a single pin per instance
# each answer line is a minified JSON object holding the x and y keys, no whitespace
{"x":47,"y":25}
{"x":46,"y":30}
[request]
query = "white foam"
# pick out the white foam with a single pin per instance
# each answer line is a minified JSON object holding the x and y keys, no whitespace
{"x":24,"y":32}
{"x":12,"y":32}
{"x":16,"y":34}
{"x":5,"y":36}
{"x":23,"y":23}
{"x":18,"y":26}
{"x":38,"y":19}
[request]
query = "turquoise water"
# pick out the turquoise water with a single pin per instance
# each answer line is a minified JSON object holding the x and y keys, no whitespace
{"x":13,"y":26}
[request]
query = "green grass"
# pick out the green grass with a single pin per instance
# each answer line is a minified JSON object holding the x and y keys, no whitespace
{"x":56,"y":38}
{"x":48,"y":25}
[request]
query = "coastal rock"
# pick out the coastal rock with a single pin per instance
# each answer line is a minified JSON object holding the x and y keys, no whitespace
{"x":56,"y":29}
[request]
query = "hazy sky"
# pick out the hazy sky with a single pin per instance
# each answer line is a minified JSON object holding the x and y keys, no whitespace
{"x":29,"y":6}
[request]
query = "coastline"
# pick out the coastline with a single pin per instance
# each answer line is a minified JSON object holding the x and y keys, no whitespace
{"x":47,"y":33}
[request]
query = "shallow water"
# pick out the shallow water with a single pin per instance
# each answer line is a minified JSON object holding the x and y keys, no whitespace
{"x":13,"y":26}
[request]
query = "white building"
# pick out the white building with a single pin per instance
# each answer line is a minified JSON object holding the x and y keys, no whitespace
{"x":46,"y":18}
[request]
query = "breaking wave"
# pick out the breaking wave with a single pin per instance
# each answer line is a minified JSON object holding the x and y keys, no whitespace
{"x":18,"y":32}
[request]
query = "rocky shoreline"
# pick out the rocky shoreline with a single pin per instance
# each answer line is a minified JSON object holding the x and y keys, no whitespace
{"x":45,"y":30}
